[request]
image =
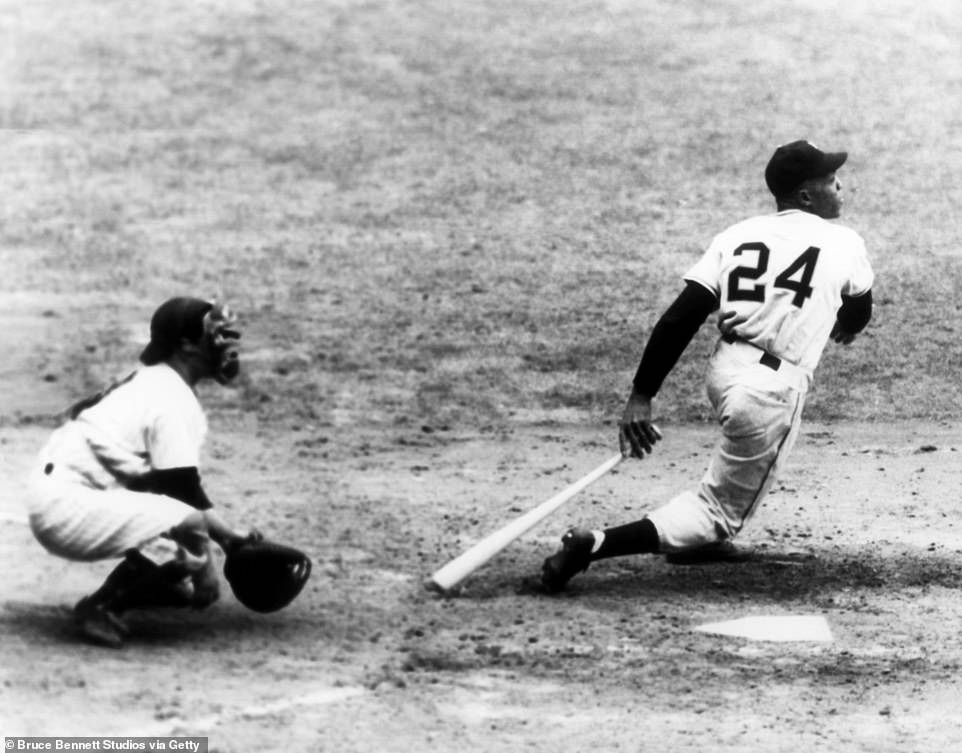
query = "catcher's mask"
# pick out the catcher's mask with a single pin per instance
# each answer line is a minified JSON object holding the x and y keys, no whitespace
{"x":208,"y":324}
{"x":266,"y":576}
{"x":221,"y":336}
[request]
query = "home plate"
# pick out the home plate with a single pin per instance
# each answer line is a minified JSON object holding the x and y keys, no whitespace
{"x":798,"y":627}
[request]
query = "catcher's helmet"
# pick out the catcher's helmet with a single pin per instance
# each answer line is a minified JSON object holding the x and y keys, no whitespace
{"x":266,"y":576}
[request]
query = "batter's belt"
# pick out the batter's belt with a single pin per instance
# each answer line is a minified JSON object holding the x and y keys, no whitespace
{"x":795,"y":376}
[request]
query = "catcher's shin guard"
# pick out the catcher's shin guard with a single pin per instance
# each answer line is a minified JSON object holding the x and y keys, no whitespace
{"x":138,"y":583}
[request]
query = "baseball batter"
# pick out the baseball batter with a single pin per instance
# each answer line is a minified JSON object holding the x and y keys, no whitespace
{"x":120,"y":478}
{"x":783,"y":284}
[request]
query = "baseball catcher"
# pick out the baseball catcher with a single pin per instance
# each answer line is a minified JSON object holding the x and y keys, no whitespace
{"x":120,"y":479}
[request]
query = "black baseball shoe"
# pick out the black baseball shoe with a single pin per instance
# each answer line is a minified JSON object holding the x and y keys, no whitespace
{"x":99,"y":626}
{"x":721,"y":551}
{"x":573,"y":558}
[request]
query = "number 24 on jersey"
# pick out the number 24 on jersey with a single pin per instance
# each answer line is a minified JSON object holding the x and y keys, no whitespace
{"x":796,"y":277}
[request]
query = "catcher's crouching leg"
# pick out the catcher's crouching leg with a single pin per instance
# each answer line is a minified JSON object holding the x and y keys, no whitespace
{"x":167,"y":585}
{"x":135,"y":582}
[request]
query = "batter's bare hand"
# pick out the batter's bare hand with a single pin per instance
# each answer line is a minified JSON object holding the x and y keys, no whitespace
{"x":727,"y":322}
{"x":840,"y":335}
{"x":636,"y":433}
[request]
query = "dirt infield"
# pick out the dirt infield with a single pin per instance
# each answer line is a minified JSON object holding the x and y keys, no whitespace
{"x":860,"y":531}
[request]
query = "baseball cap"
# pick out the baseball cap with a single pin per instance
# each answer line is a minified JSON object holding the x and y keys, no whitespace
{"x":174,"y":319}
{"x":794,"y":163}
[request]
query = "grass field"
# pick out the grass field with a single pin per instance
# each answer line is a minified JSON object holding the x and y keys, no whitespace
{"x":448,"y":228}
{"x":437,"y":212}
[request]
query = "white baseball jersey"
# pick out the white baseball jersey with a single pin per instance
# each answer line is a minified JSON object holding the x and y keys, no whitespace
{"x":784,"y":274}
{"x":150,"y":421}
{"x":79,"y":505}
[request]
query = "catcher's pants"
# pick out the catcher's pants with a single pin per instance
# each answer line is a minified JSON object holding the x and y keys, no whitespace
{"x":78,"y":522}
{"x":759,"y":409}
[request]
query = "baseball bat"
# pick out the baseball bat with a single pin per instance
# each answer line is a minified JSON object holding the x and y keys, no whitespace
{"x":460,"y":567}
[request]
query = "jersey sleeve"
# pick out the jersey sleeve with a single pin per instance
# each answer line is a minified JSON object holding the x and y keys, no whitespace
{"x":707,"y":270}
{"x":173,"y":442}
{"x":861,"y":277}
{"x":671,"y":335}
{"x":176,"y":430}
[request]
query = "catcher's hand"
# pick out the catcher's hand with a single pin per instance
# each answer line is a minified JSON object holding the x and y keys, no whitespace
{"x":206,"y":586}
{"x":252,"y":536}
{"x":266,"y":576}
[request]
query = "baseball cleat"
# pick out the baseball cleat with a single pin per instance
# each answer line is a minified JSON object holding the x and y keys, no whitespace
{"x":119,"y":625}
{"x":721,"y":551}
{"x":573,"y":558}
{"x":98,"y":625}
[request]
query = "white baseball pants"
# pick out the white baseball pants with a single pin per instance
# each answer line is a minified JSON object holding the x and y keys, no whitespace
{"x":77,"y":522}
{"x":759,"y":409}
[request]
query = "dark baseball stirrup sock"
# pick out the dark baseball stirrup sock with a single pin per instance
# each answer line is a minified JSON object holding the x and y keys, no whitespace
{"x":130,"y":570}
{"x":640,"y":537}
{"x":156,"y":588}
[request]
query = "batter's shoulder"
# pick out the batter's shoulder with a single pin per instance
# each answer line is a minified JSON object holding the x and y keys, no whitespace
{"x":848,"y":235}
{"x":740,"y":228}
{"x":748,"y":222}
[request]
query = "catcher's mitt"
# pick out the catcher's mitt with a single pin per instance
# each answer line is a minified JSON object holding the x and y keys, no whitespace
{"x":266,"y":576}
